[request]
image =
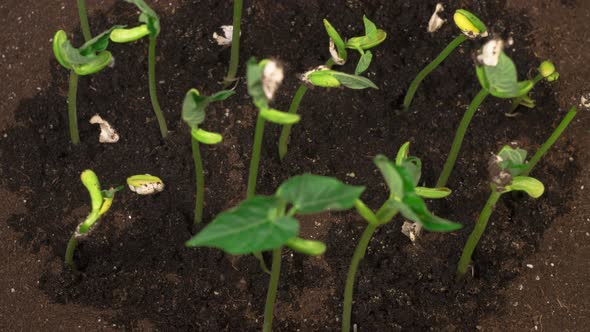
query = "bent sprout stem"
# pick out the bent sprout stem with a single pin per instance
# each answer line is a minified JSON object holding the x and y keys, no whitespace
{"x":72,"y":113}
{"x":293,"y":108}
{"x":153,"y":90}
{"x":255,"y":161}
{"x":458,"y":140}
{"x":200,"y":181}
{"x":84,"y":20}
{"x":72,"y":244}
{"x":430,"y":67}
{"x":235,"y":44}
{"x":273,"y":285}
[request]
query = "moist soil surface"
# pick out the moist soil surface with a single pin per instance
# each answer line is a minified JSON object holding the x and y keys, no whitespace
{"x":135,"y":264}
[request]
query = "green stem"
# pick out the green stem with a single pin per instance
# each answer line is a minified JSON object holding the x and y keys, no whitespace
{"x":200,"y":190}
{"x":256,"y":148}
{"x":293,"y":108}
{"x":273,"y":285}
{"x":84,"y":20}
{"x":358,"y":255}
{"x":550,"y":141}
{"x":431,"y":66}
{"x":450,"y":163}
{"x":474,"y":237}
{"x":69,"y":259}
{"x":235,"y":45}
{"x":153,"y":91}
{"x":72,"y":113}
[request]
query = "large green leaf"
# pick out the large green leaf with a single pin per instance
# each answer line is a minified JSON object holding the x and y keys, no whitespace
{"x":194,"y":105}
{"x":147,"y":16}
{"x":413,"y":208}
{"x":255,"y":225}
{"x":314,"y":193}
{"x":372,"y":37}
{"x":392,"y":178}
{"x":502,"y":80}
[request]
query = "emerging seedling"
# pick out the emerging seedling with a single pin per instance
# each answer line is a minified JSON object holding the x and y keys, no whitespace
{"x":323,"y":76}
{"x":546,"y":71}
{"x":471,"y":27}
{"x":101,"y":201}
{"x":193,"y":113}
{"x":401,"y":177}
{"x":90,"y":58}
{"x":145,"y":184}
{"x":151,"y":28}
{"x":235,"y":44}
{"x":497,"y":75}
{"x":268,"y":223}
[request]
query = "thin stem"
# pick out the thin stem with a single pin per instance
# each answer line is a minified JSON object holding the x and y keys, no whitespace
{"x":474,"y":237}
{"x":235,"y":45}
{"x":153,"y":91}
{"x":69,"y":259}
{"x":550,"y":141}
{"x":84,"y":20}
{"x":358,"y":255}
{"x":273,"y":285}
{"x":293,"y":108}
{"x":256,"y":148}
{"x":72,"y":113}
{"x":458,"y":140}
{"x":431,"y":66}
{"x":200,"y":190}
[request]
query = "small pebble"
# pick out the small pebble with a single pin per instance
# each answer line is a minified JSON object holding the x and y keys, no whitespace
{"x":12,"y":290}
{"x":537,"y":278}
{"x":530,"y":266}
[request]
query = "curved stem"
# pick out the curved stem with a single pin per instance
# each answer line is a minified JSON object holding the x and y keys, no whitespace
{"x":431,"y":66}
{"x":273,"y":285}
{"x":458,"y":140}
{"x":256,"y":148}
{"x":72,"y":112}
{"x":550,"y":141}
{"x":84,"y":20}
{"x":200,"y":190}
{"x":153,"y":91}
{"x":235,"y":45}
{"x":474,"y":237}
{"x":293,"y":108}
{"x":358,"y":255}
{"x":69,"y":259}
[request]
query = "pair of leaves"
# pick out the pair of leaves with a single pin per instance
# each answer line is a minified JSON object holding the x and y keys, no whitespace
{"x":100,"y":200}
{"x":193,"y":113}
{"x":502,"y":80}
{"x":147,"y":16}
{"x":405,"y":198}
{"x":328,"y":78}
{"x":512,"y":160}
{"x":414,"y":167}
{"x":260,"y":223}
{"x":373,"y":37}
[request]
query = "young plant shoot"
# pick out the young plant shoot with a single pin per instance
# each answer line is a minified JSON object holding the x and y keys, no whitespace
{"x":401,"y":177}
{"x":471,"y":28}
{"x":193,"y":113}
{"x":506,"y":170}
{"x":90,"y":58}
{"x":268,"y":223}
{"x":546,"y":71}
{"x":324,"y":76}
{"x":151,"y":28}
{"x":235,"y":44}
{"x":497,"y":75}
{"x":100,"y":201}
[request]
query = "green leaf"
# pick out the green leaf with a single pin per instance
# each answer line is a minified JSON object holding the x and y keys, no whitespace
{"x":278,"y":117}
{"x":98,"y":43}
{"x":147,"y":16}
{"x":129,"y":35}
{"x":308,"y":247}
{"x":353,"y":81}
{"x":97,"y":64}
{"x":372,"y":37}
{"x":413,"y":165}
{"x":364,"y":63}
{"x":370,"y":27}
{"x":206,"y":137}
{"x":392,"y":178}
{"x":194,"y":105}
{"x":251,"y":227}
{"x":402,"y":153}
{"x":335,"y":37}
{"x":512,"y":160}
{"x":413,"y":208}
{"x":255,"y":87}
{"x":366,"y":212}
{"x":58,"y":40}
{"x":432,"y":193}
{"x":314,"y":193}
{"x":531,"y":186}
{"x":502,"y":80}
{"x":322,"y":78}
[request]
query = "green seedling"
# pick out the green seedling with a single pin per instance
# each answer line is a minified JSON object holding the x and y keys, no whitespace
{"x":90,"y":58}
{"x":100,"y":201}
{"x":235,"y":44}
{"x":193,"y":113}
{"x":506,"y":171}
{"x":471,"y":27}
{"x":406,"y":198}
{"x":84,"y":20}
{"x":268,"y":223}
{"x":323,"y":76}
{"x":546,"y":71}
{"x":150,"y":28}
{"x":497,"y":75}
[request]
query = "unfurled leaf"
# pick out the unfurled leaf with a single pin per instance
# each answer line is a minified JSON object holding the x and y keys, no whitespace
{"x":353,"y":81}
{"x":370,"y":27}
{"x":364,"y":63}
{"x":372,"y":37}
{"x":502,"y":80}
{"x":414,"y":167}
{"x":432,"y":193}
{"x":308,"y":247}
{"x":413,"y":208}
{"x":194,"y":105}
{"x":255,"y":225}
{"x":393,"y":179}
{"x":531,"y":186}
{"x":314,"y":193}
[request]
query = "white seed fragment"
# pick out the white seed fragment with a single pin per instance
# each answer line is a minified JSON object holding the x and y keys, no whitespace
{"x":585,"y":100}
{"x":107,"y":133}
{"x":334,"y":53}
{"x":436,"y":21}
{"x":490,"y":53}
{"x":530,"y":266}
{"x":227,"y":37}
{"x":412,"y":230}
{"x":272,"y":77}
{"x":147,"y":188}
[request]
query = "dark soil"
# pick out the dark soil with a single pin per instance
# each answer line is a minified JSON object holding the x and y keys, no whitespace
{"x":135,"y":262}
